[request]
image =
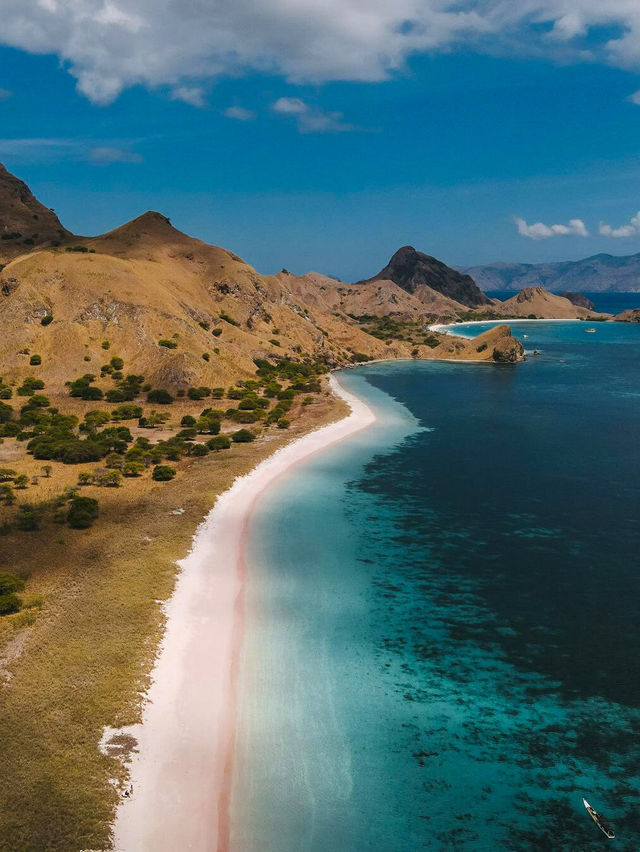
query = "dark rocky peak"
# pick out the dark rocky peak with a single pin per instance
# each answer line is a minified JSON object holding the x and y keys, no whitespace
{"x":411,"y":269}
{"x":578,"y":299}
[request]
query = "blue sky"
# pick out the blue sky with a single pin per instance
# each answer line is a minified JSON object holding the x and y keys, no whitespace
{"x":311,"y":160}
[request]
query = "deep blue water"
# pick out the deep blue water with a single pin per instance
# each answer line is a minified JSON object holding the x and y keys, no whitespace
{"x":444,"y":611}
{"x":606,"y":303}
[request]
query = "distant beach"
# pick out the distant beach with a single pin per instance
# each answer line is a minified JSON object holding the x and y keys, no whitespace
{"x":185,"y":741}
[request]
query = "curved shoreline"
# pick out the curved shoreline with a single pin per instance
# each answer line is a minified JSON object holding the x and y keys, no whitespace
{"x":182,"y":771}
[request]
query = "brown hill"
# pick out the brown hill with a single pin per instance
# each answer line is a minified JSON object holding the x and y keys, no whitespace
{"x":24,"y":221}
{"x":426,"y":277}
{"x":539,"y":303}
{"x":182,"y":312}
{"x":632,"y":315}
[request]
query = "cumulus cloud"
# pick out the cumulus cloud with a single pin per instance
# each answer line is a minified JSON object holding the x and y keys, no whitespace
{"x":629,"y":230}
{"x":193,"y":95}
{"x":105,"y":155}
{"x":540,"y":231}
{"x":311,"y":119}
{"x":109,"y":45}
{"x":239,"y":113}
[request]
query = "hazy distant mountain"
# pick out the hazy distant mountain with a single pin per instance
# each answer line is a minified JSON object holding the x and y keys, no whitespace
{"x":597,"y":274}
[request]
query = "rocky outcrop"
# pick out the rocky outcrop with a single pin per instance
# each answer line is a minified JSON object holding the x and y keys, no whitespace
{"x":413,"y":271}
{"x":508,"y":349}
{"x":578,"y":299}
{"x":632,"y":315}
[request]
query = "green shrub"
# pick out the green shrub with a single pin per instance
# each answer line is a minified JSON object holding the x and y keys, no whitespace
{"x":188,"y":420}
{"x":274,"y":342}
{"x":216,"y":332}
{"x":283,"y":423}
{"x":187,"y":434}
{"x":29,"y":386}
{"x":243,"y":436}
{"x":224,"y":316}
{"x":128,"y":411}
{"x":46,"y":320}
{"x":5,"y":391}
{"x":96,"y":418}
{"x":21,"y":481}
{"x":219,"y":442}
{"x":108,"y":479}
{"x":168,"y":344}
{"x":481,"y":348}
{"x":160,"y":397}
{"x":163,"y":473}
{"x":9,"y":603}
{"x":132,"y":468}
{"x":198,"y":393}
{"x":35,"y":360}
{"x":29,"y":517}
{"x":9,"y":584}
{"x":204,"y":325}
{"x":6,"y":412}
{"x":82,"y":512}
{"x":7,"y":474}
{"x":217,"y":393}
{"x":116,"y":362}
{"x":206,"y":356}
{"x":106,"y":344}
{"x":197,"y":450}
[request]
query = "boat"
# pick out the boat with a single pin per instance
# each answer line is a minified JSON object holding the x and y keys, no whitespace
{"x":590,"y":331}
{"x":599,"y":821}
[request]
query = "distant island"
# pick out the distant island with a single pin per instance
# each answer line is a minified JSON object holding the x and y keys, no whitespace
{"x":600,"y":273}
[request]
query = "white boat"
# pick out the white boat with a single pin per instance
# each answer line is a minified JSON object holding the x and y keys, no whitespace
{"x":599,"y":821}
{"x":589,"y":331}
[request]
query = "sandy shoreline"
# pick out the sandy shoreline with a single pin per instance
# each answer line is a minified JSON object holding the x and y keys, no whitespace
{"x":181,"y":773}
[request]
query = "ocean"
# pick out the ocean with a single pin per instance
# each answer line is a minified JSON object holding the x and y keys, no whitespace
{"x":443,"y":613}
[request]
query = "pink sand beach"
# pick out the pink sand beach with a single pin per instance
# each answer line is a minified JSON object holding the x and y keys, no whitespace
{"x":181,"y":774}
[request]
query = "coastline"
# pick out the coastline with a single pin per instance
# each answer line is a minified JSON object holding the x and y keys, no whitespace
{"x":186,"y":738}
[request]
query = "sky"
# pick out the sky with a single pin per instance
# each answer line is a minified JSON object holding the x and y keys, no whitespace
{"x":325,"y":134}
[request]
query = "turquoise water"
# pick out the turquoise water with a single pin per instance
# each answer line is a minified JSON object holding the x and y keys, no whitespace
{"x":443,"y":641}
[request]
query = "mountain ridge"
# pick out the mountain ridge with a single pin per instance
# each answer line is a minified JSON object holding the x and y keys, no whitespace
{"x":597,"y":273}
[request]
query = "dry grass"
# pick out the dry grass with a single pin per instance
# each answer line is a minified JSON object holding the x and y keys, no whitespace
{"x":83,"y":662}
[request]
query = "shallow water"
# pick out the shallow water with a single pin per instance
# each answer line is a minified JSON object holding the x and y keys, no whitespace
{"x":443,"y":635}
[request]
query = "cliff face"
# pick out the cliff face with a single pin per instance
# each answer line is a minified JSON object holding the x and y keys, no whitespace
{"x":24,"y":221}
{"x":579,"y":300}
{"x":418,"y":273}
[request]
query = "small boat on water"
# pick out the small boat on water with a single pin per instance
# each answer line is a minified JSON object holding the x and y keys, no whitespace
{"x":599,"y":821}
{"x":590,"y":331}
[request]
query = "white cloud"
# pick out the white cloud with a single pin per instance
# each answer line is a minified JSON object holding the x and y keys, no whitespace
{"x":109,"y":45}
{"x":105,"y":155}
{"x":311,"y":119}
{"x":629,"y":230}
{"x":192,"y":95}
{"x":5,"y":94}
{"x":635,"y":98}
{"x":239,"y":113}
{"x":540,"y":231}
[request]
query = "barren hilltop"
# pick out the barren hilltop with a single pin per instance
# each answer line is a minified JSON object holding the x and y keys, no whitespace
{"x":186,"y":313}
